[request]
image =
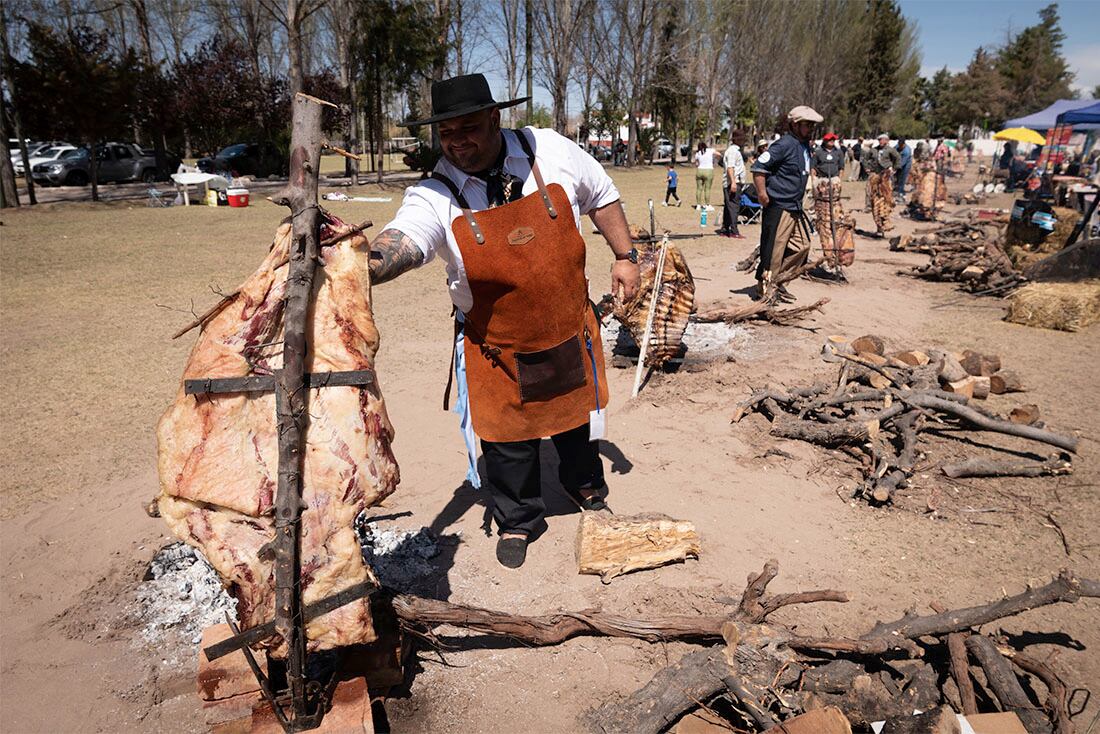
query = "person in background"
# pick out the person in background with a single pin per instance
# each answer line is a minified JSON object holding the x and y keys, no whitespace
{"x":902,"y":175}
{"x":854,"y":154}
{"x":671,"y":178}
{"x":780,"y":175}
{"x":704,"y":175}
{"x":880,"y":164}
{"x":733,"y":176}
{"x":827,"y":158}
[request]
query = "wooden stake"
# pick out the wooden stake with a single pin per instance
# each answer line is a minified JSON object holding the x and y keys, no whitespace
{"x":644,"y":346}
{"x":291,"y":395}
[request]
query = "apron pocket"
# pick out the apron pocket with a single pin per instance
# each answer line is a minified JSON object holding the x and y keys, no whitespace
{"x":550,"y":372}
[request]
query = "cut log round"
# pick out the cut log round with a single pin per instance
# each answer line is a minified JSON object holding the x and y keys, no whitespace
{"x":964,"y":387}
{"x":1005,"y":381}
{"x":951,"y":370}
{"x":978,"y":364}
{"x":1024,"y":414}
{"x":981,"y":387}
{"x":869,"y":344}
{"x":912,"y":358}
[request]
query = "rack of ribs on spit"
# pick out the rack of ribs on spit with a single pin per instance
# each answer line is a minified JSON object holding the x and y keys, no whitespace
{"x":218,"y":453}
{"x":675,"y":303}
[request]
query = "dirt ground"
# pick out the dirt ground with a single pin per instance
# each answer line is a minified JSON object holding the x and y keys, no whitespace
{"x":91,"y":295}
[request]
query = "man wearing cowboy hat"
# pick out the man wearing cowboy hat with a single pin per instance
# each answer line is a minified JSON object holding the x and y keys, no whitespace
{"x":780,"y":175}
{"x":502,"y":209}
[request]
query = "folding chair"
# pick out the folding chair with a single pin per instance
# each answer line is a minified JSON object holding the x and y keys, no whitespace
{"x":157,"y":198}
{"x":750,"y":210}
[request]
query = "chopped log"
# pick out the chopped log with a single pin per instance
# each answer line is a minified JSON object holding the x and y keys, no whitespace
{"x":869,"y":344}
{"x":950,"y":369}
{"x":870,"y":358}
{"x":829,"y":720}
{"x":981,"y":387}
{"x":1005,"y":381}
{"x":826,"y":434}
{"x":1057,"y":703}
{"x":1054,"y":466}
{"x":761,"y":310}
{"x":611,"y":545}
{"x":1005,"y":685}
{"x":1024,"y":415}
{"x":960,"y":671}
{"x":964,"y":387}
{"x":979,"y":365}
{"x":912,"y":358}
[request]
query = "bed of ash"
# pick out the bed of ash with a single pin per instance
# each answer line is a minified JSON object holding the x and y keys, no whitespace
{"x":704,"y":343}
{"x":181,"y":593}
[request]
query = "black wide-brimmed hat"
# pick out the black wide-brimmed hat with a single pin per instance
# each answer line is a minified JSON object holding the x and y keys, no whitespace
{"x":460,"y":96}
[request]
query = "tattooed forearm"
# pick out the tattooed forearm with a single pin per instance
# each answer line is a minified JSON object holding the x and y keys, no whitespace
{"x":393,"y":253}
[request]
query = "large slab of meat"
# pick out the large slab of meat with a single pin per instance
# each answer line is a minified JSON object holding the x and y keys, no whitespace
{"x":675,"y":302}
{"x":218,"y":453}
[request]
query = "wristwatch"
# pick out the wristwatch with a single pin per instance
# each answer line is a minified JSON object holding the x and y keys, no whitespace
{"x":631,"y":255}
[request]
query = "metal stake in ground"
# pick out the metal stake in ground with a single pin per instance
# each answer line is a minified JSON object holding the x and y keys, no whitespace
{"x":644,"y":346}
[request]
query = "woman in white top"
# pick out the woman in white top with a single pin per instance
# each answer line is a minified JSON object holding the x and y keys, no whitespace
{"x":704,"y":174}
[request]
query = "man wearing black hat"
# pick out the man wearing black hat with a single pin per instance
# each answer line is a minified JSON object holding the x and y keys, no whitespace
{"x":502,"y":209}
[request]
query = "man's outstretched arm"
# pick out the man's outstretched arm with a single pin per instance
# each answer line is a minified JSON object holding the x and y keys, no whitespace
{"x":392,"y":253}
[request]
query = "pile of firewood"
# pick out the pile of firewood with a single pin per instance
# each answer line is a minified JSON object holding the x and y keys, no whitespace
{"x":969,"y":253}
{"x":756,"y":674}
{"x":879,"y":405}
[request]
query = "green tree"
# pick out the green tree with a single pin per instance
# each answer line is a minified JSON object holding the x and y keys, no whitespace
{"x":75,"y":86}
{"x":977,"y":96}
{"x":1035,"y":72}
{"x":399,"y":44}
{"x":877,"y":76}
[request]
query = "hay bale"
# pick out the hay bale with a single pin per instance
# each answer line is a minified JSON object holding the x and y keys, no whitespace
{"x":1063,"y":306}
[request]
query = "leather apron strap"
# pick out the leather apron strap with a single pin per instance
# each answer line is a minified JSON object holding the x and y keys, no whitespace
{"x":526,"y":145}
{"x":462,"y":204}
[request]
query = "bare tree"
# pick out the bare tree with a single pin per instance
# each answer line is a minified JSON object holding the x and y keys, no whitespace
{"x":558,"y":23}
{"x":295,"y":18}
{"x":341,"y":30}
{"x":503,"y":30}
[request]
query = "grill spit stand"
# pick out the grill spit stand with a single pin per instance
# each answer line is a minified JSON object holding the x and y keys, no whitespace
{"x":297,"y":703}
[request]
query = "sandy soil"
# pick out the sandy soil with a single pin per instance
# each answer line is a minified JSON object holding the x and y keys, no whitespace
{"x":91,"y":295}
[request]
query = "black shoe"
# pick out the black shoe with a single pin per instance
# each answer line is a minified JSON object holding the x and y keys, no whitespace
{"x":592,"y":503}
{"x":512,"y":552}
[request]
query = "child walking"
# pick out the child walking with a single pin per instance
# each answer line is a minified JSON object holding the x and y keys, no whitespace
{"x":671,"y":190}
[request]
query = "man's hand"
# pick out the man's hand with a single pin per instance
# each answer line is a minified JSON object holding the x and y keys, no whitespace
{"x":763,"y":198}
{"x":625,"y":275}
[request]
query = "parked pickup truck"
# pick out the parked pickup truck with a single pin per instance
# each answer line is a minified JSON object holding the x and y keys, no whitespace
{"x":115,"y":162}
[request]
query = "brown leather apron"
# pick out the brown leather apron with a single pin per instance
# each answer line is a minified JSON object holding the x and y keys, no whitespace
{"x":532,"y":340}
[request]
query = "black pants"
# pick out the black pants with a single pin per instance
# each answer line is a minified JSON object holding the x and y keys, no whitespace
{"x":671,"y":191}
{"x":513,"y":475}
{"x":731,"y":208}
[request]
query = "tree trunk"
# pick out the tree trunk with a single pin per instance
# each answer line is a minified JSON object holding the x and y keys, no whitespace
{"x":9,"y":196}
{"x":292,"y":406}
{"x":294,"y":44}
{"x":379,"y":127}
{"x":528,"y":10}
{"x":16,"y":122}
{"x":93,"y":165}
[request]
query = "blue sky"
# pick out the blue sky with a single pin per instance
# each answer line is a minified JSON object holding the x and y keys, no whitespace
{"x":950,"y":30}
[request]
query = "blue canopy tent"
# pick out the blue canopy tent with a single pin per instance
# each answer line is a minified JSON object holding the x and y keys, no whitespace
{"x":1048,"y":119}
{"x":1088,"y":114}
{"x":1081,"y":115}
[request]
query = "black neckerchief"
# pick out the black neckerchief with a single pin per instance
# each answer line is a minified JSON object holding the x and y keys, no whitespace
{"x":501,"y":187}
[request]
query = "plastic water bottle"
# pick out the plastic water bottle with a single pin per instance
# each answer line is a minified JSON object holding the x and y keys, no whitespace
{"x":703,"y":217}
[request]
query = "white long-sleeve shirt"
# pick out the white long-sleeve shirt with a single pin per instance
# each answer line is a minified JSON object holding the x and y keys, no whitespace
{"x":428,"y":209}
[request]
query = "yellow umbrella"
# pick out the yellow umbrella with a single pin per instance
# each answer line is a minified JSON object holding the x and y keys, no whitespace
{"x":1021,"y":135}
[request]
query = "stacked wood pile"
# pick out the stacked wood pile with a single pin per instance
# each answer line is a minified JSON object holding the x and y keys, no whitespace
{"x":880,"y":404}
{"x":968,"y":253}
